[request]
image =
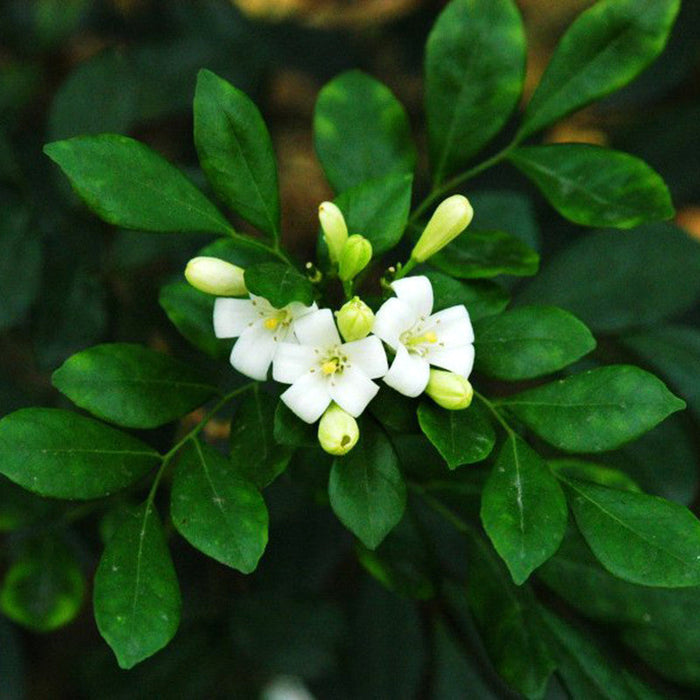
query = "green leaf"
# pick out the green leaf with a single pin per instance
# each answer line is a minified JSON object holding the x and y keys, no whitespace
{"x":44,"y":587}
{"x":642,"y":539}
{"x":506,"y":210}
{"x":477,"y":254}
{"x":240,"y":251}
{"x":395,"y":411}
{"x":235,"y":151}
{"x":604,"y":49}
{"x":127,"y":184}
{"x":19,"y":244}
{"x":378,"y":210}
{"x":508,"y":619}
{"x":674,"y":351}
{"x":523,"y":509}
{"x":582,"y":470}
{"x":597,"y":410}
{"x":131,"y":385}
{"x":461,"y":437}
{"x":62,"y":454}
{"x":631,"y":292}
{"x":278,"y":283}
{"x":361,"y":131}
{"x":136,"y":594}
{"x":216,"y":510}
{"x":595,"y":186}
{"x":290,"y":430}
{"x":474,"y":71}
{"x":530,"y":341}
{"x":191,"y":312}
{"x":366,"y":489}
{"x":482,"y":297}
{"x":254,"y":453}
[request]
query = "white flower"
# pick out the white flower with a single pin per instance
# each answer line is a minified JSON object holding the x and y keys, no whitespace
{"x":322,"y":368}
{"x":259,"y":327}
{"x":443,"y":339}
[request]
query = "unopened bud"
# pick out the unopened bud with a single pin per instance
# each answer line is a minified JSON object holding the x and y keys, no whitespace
{"x":337,"y":431}
{"x":335,"y":230}
{"x":449,"y":390}
{"x":357,"y":252}
{"x":449,"y":220}
{"x":215,"y":276}
{"x":355,"y":320}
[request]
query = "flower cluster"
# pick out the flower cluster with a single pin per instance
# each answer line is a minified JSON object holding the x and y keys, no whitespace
{"x":333,"y":378}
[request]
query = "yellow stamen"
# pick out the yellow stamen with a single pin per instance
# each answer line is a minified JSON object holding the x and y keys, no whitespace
{"x":329,"y":367}
{"x":272,"y":323}
{"x":429,"y":337}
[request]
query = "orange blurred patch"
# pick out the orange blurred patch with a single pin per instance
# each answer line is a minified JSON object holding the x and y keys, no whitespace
{"x":688,"y":218}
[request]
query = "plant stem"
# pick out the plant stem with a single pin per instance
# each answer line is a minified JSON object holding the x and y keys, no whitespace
{"x":405,"y":269}
{"x":274,"y":250}
{"x":495,"y":413}
{"x":348,"y":289}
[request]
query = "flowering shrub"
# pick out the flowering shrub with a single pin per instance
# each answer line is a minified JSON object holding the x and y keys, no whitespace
{"x":366,"y":354}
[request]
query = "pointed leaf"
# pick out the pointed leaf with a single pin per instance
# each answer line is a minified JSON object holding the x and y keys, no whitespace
{"x":481,"y":297}
{"x":278,"y":283}
{"x":136,"y":594}
{"x":127,"y":184}
{"x":61,"y":454}
{"x":235,"y":151}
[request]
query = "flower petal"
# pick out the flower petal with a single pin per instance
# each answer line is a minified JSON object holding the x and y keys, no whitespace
{"x":253,"y":352}
{"x":452,"y":326}
{"x":408,"y":373}
{"x":417,"y":292}
{"x":291,"y":361}
{"x":368,"y":356}
{"x":393,"y":318}
{"x":297,"y":309}
{"x":317,"y":329}
{"x":459,"y":360}
{"x":233,"y":316}
{"x":308,"y":397}
{"x":352,"y":391}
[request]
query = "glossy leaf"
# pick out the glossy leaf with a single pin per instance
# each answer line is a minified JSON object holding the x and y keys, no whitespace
{"x":127,"y":184}
{"x":461,"y":437}
{"x":631,"y":292}
{"x":523,"y":509}
{"x":530,"y":341}
{"x":278,"y":283}
{"x":131,"y":385}
{"x":595,"y":186}
{"x":136,"y":594}
{"x":475,"y":68}
{"x":290,"y":430}
{"x":61,"y":454}
{"x":216,"y":510}
{"x":597,"y":410}
{"x":361,"y":131}
{"x":582,"y":470}
{"x":642,"y":539}
{"x":254,"y":453}
{"x":481,"y":297}
{"x":477,"y":254}
{"x":506,"y":210}
{"x":378,"y":210}
{"x":235,"y":151}
{"x":604,"y":49}
{"x":366,"y":489}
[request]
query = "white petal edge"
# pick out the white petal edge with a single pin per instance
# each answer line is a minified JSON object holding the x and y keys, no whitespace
{"x":452,"y":326}
{"x":459,"y":360}
{"x":368,"y":356}
{"x":253,"y":352}
{"x":417,"y":292}
{"x":408,"y":373}
{"x":291,"y":361}
{"x":233,"y":316}
{"x":308,"y":397}
{"x":317,"y":329}
{"x":352,"y":391}
{"x":393,"y":318}
{"x":298,"y":310}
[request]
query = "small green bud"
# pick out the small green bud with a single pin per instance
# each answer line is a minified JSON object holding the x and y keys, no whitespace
{"x":357,"y":252}
{"x":355,"y":320}
{"x":337,"y":431}
{"x":449,"y":390}
{"x":449,"y":220}
{"x":335,"y":230}
{"x":215,"y":276}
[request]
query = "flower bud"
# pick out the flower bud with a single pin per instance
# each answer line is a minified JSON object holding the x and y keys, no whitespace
{"x":449,"y":220}
{"x":337,"y":431}
{"x":449,"y":390}
{"x":335,"y":231}
{"x":357,"y":252}
{"x":355,"y":320}
{"x":215,"y":276}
